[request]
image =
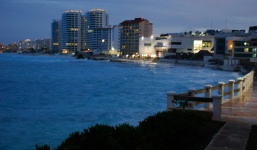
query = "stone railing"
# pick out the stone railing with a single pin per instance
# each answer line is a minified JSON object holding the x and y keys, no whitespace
{"x":224,"y":90}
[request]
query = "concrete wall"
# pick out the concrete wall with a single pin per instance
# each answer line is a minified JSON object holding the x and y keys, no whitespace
{"x":183,"y":62}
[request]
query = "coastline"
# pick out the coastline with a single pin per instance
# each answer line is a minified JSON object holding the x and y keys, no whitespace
{"x":150,"y":60}
{"x":183,"y":62}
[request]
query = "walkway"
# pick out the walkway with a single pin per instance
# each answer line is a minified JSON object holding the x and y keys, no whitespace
{"x":233,"y":136}
{"x":242,"y":109}
{"x":239,"y":114}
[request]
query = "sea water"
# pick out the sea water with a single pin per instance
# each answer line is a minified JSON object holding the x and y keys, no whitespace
{"x":45,"y":98}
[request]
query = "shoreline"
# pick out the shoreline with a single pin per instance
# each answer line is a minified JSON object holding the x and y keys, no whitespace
{"x":183,"y":62}
{"x":151,"y":61}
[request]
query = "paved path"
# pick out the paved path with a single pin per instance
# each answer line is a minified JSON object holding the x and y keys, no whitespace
{"x":232,"y":136}
{"x":239,"y":114}
{"x":242,"y":109}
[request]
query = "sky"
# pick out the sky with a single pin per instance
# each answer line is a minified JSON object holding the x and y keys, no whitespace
{"x":22,"y":19}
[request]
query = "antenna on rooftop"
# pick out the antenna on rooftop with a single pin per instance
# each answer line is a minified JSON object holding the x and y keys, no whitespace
{"x":226,"y":23}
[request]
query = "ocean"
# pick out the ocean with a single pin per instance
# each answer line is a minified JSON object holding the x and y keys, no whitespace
{"x":43,"y":98}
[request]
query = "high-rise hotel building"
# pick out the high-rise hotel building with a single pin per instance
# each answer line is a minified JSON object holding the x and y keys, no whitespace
{"x":56,"y":35}
{"x":73,"y":31}
{"x":98,"y":33}
{"x":130,"y":32}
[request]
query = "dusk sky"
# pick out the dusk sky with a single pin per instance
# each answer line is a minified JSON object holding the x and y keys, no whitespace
{"x":22,"y":19}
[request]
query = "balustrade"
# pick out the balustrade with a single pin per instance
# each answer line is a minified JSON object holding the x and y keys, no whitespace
{"x":243,"y":85}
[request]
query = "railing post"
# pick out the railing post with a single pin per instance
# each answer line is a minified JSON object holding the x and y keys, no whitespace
{"x":221,"y":89}
{"x":231,"y":88}
{"x":216,"y":107}
{"x":191,"y":92}
{"x":170,"y":100}
{"x":251,"y":78}
{"x":240,"y":86}
{"x":207,"y":94}
{"x":244,"y":84}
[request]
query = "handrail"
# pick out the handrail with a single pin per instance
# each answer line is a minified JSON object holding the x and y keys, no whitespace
{"x":190,"y":98}
{"x":243,"y":84}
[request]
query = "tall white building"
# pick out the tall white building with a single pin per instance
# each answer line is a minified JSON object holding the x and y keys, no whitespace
{"x":73,"y":31}
{"x":98,"y":33}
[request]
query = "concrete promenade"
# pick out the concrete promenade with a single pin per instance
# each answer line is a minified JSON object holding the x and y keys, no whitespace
{"x":242,"y":109}
{"x":239,"y":114}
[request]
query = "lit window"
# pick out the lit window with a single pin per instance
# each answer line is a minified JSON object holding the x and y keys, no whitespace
{"x":246,"y":50}
{"x":74,"y":29}
{"x":198,"y":45}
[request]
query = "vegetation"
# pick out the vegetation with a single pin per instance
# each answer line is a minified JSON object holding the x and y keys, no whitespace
{"x":176,"y":130}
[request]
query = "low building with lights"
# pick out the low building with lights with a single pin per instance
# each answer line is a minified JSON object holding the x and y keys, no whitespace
{"x":174,"y":44}
{"x":245,"y":47}
{"x":153,"y":46}
{"x":223,"y":41}
{"x":190,"y":43}
{"x":26,"y":45}
{"x":43,"y":44}
{"x":237,"y":43}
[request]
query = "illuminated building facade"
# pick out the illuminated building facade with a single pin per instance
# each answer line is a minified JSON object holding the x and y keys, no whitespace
{"x":98,"y":33}
{"x":130,"y":33}
{"x":190,"y":43}
{"x":26,"y":45}
{"x":12,"y":47}
{"x":237,"y":44}
{"x":174,"y":44}
{"x":245,"y":47}
{"x":221,"y":41}
{"x":115,"y":37}
{"x":56,"y":35}
{"x":73,"y":31}
{"x":43,"y":44}
{"x":101,"y":40}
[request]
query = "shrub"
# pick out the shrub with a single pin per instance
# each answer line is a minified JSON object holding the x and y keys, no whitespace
{"x":127,"y":137}
{"x":44,"y":147}
{"x":177,"y":130}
